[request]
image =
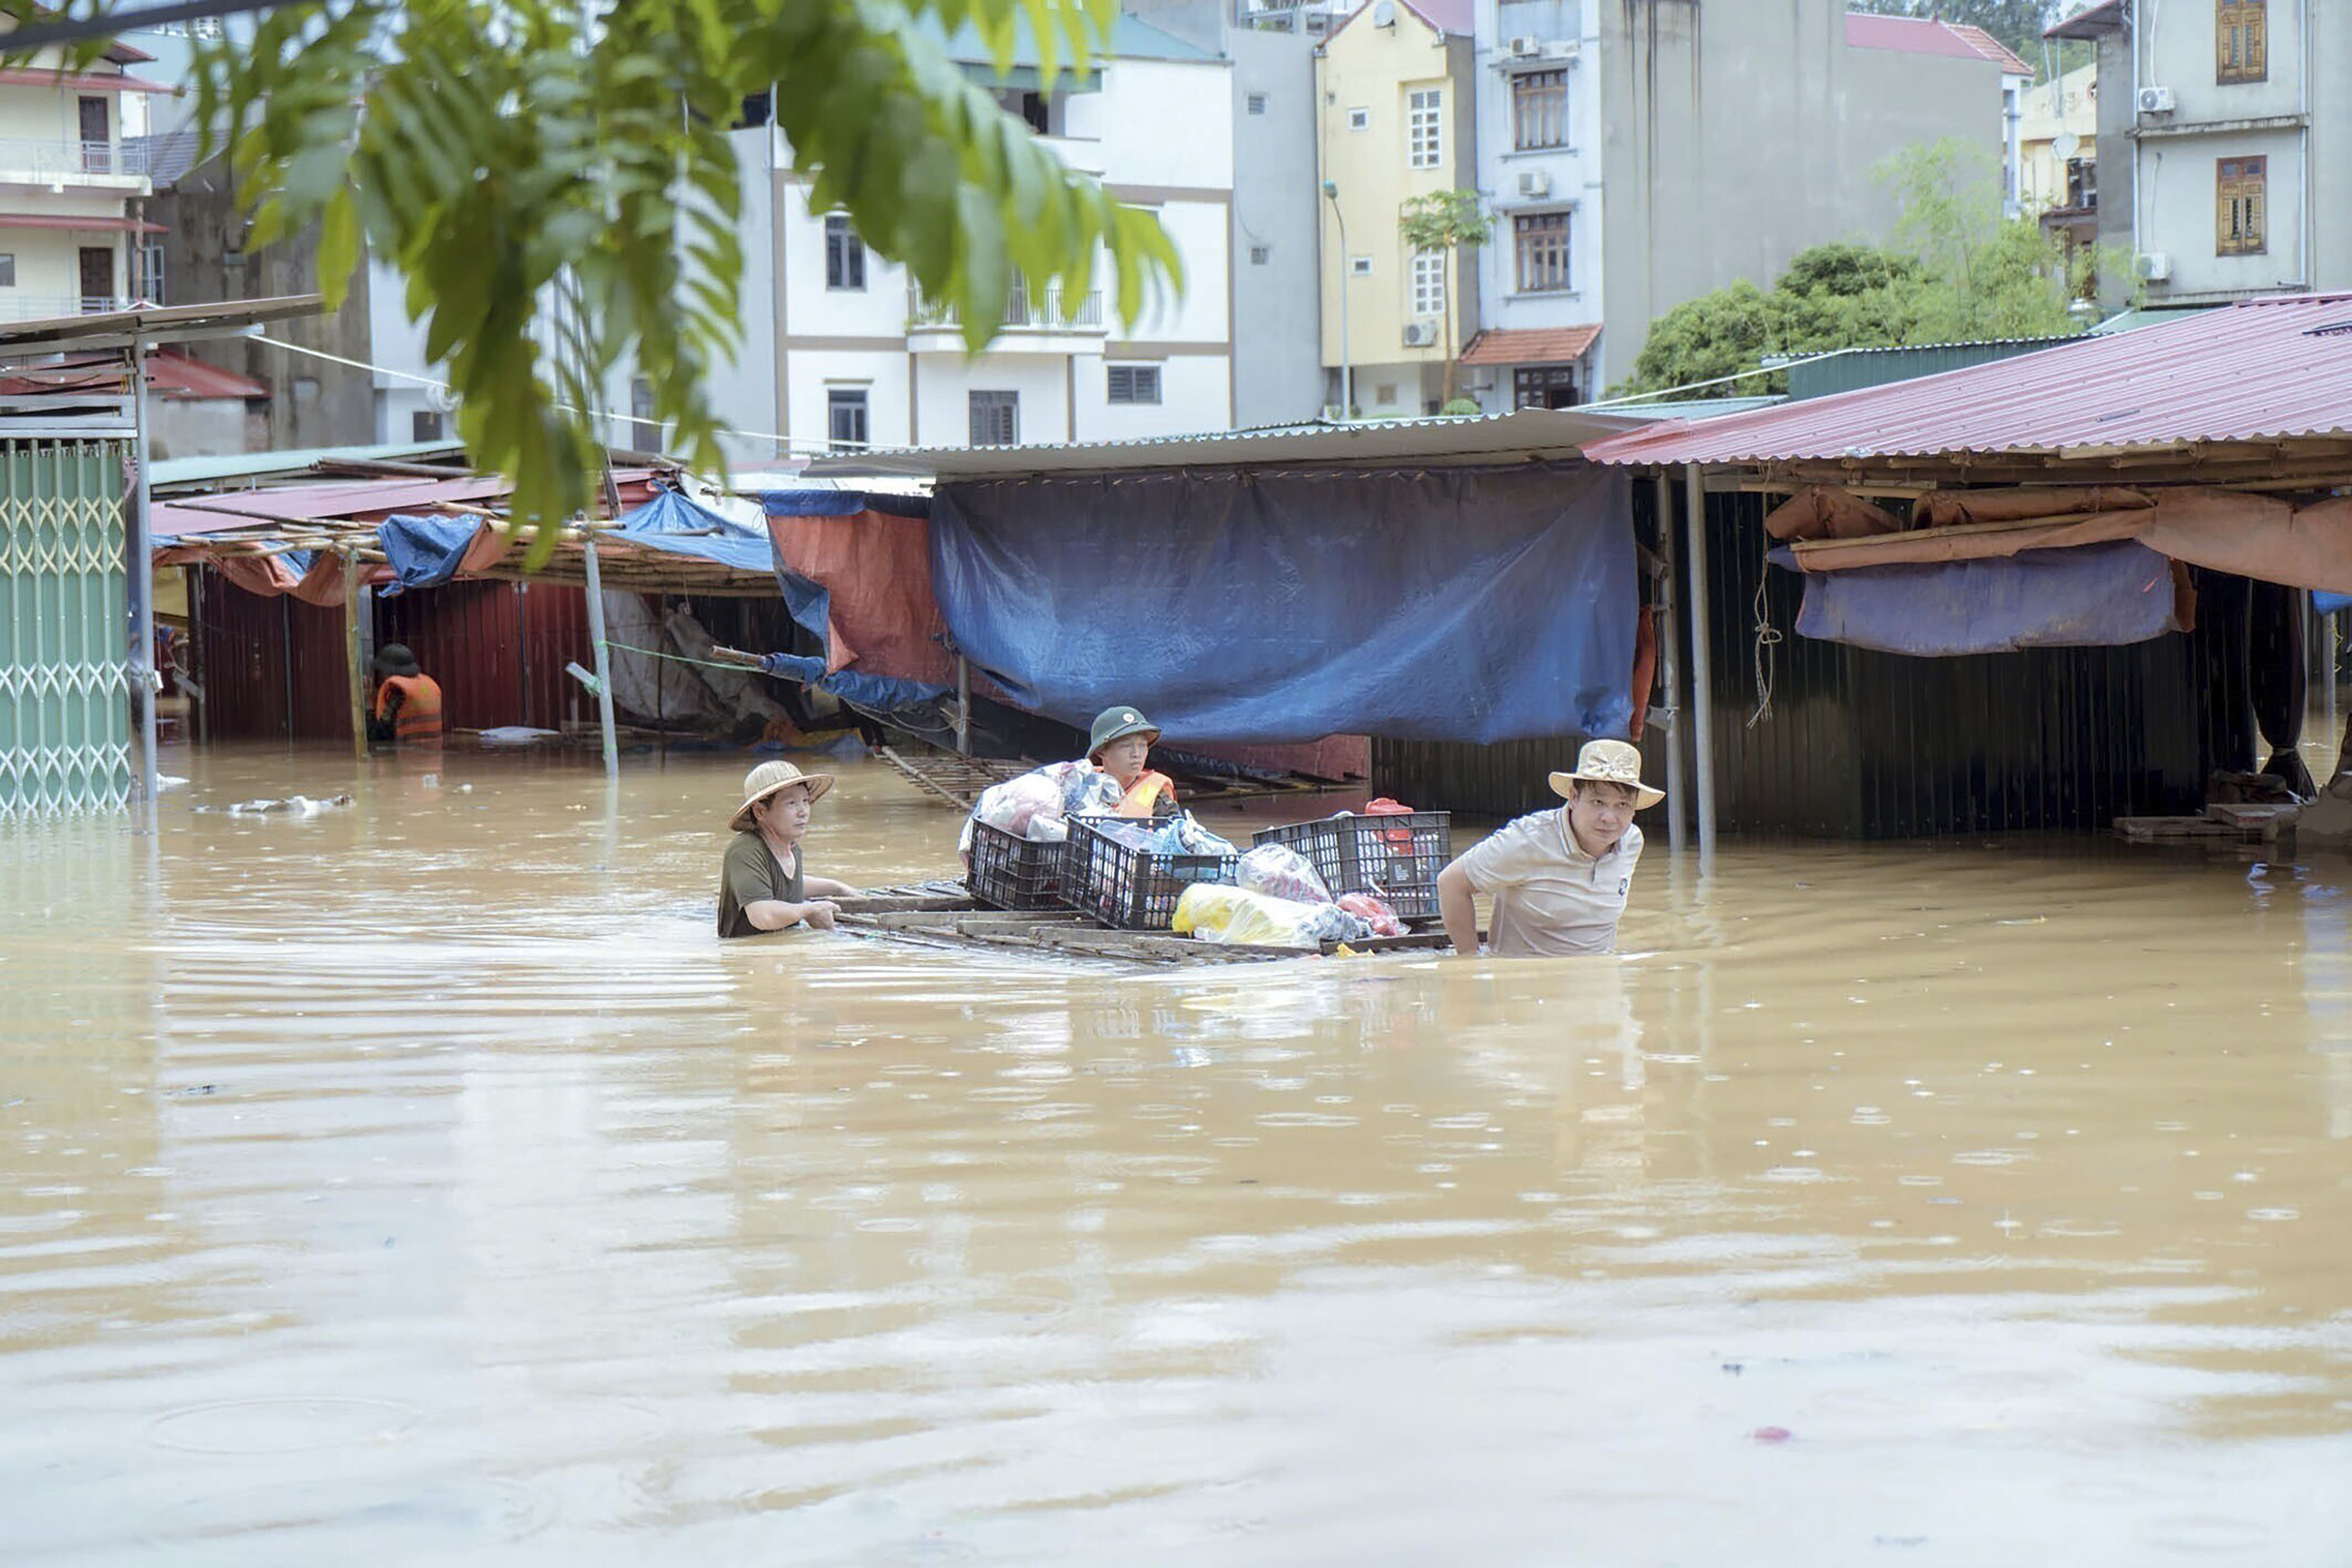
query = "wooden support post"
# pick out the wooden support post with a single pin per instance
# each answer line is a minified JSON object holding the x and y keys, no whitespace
{"x":1702,"y":682}
{"x":354,"y":659}
{"x":963,"y":706}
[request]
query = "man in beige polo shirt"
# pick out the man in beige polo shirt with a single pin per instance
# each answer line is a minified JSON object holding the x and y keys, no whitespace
{"x":1558,"y":879}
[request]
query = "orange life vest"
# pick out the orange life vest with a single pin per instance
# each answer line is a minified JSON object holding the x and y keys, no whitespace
{"x":1143,"y":799}
{"x":413,"y":704}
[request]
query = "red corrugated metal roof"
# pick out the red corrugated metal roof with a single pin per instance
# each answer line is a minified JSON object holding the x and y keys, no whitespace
{"x":2258,"y":370}
{"x":81,"y":81}
{"x":1921,"y":35}
{"x":1529,"y":345}
{"x":177,"y":375}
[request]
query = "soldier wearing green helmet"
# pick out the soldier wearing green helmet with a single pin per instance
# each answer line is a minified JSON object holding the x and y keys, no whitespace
{"x":1120,"y":746}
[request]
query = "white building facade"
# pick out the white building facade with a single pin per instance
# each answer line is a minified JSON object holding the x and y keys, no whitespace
{"x":861,"y":359}
{"x":71,"y":179}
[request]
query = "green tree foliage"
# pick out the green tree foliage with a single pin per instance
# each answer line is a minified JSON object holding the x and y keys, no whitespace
{"x":1954,"y":270}
{"x":542,"y":169}
{"x":1445,"y":222}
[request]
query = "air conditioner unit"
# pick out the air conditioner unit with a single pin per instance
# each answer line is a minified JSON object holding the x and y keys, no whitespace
{"x":1534,"y":184}
{"x":1420,"y":334}
{"x":2152,"y":267}
{"x":1526,"y":48}
{"x":2156,"y":100}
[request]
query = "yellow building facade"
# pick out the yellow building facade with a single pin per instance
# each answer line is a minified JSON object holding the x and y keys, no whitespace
{"x":1393,"y":91}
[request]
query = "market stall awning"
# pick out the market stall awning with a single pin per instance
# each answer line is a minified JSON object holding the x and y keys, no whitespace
{"x":2260,"y":370}
{"x":1528,"y":433}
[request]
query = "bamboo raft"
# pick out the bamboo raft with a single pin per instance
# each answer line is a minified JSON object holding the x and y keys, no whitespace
{"x":943,"y":914}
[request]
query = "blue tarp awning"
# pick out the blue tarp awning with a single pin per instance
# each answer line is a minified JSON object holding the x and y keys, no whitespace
{"x":671,"y":522}
{"x":840,"y":503}
{"x":424,"y":552}
{"x":1468,"y":603}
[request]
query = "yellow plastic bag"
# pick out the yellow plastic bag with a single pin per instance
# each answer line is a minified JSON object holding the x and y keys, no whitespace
{"x":1212,"y":912}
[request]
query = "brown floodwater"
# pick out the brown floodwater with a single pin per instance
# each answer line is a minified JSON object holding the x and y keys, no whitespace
{"x":420,"y":1181}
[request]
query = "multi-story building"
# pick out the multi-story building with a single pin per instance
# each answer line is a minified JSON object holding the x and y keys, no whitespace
{"x":2214,"y":118}
{"x":2058,"y":180}
{"x":862,"y":358}
{"x":1638,"y":153}
{"x":72,"y":183}
{"x":1394,"y":120}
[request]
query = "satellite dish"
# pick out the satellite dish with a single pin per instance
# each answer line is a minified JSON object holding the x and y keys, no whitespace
{"x":2064,"y":143}
{"x":1384,"y":14}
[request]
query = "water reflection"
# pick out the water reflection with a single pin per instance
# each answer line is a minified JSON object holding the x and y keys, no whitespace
{"x":420,"y":1181}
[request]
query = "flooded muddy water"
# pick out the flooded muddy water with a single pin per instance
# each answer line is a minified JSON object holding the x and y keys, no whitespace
{"x":420,"y":1182}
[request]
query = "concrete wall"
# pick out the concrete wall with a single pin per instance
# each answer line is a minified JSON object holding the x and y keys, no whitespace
{"x":312,"y":402}
{"x":205,"y":428}
{"x":1371,"y":68}
{"x":1737,"y":136}
{"x":1277,"y":351}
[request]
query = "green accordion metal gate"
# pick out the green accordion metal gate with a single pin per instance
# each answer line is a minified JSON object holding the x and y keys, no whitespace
{"x":64,"y":629}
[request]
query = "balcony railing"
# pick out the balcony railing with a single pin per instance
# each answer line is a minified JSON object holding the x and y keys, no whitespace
{"x":1020,"y":312}
{"x":15,"y":307}
{"x":68,"y":161}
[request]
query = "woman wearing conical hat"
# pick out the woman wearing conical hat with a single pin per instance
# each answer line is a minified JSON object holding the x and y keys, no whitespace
{"x":765,"y":885}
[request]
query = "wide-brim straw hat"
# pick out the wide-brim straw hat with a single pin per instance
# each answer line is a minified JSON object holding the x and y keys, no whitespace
{"x":1609,"y":761}
{"x":766,"y":780}
{"x":1116,"y":724}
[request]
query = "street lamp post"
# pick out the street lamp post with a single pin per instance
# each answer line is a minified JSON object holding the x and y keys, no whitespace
{"x":1346,"y":377}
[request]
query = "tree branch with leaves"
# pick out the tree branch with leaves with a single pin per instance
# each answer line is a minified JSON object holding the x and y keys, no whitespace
{"x":555,"y":184}
{"x":1445,"y":222}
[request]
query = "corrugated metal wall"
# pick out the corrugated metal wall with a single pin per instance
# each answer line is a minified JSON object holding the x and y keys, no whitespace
{"x":497,"y":649}
{"x":273,"y":668}
{"x":1860,"y":744}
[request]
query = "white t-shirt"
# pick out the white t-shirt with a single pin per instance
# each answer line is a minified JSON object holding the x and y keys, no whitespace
{"x":1550,"y":897}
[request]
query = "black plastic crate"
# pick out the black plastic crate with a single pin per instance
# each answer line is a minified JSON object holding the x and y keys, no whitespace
{"x":1134,"y":889}
{"x":1010,"y":872}
{"x":1396,"y":857}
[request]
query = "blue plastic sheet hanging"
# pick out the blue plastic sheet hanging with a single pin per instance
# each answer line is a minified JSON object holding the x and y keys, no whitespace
{"x":424,"y":552}
{"x":1472,"y":604}
{"x":2093,"y":595}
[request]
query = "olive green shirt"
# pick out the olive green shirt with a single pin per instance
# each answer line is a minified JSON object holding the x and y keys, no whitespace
{"x":752,"y":874}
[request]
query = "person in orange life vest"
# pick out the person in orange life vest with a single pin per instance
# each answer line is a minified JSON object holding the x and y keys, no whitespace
{"x":1121,"y":746}
{"x":407,"y":707}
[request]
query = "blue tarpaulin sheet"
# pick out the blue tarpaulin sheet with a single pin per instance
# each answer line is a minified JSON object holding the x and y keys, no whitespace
{"x":424,"y":552}
{"x":2092,"y":596}
{"x":878,"y":694}
{"x":840,"y":503}
{"x":1475,"y":605}
{"x":673,"y":523}
{"x":2327,"y":604}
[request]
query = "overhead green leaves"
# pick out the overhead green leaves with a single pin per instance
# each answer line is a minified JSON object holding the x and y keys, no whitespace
{"x":557,"y":185}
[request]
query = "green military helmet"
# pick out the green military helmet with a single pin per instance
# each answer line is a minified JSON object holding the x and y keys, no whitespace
{"x":1118,"y":724}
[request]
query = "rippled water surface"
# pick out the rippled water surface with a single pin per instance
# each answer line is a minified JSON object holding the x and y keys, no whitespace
{"x":421,"y":1182}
